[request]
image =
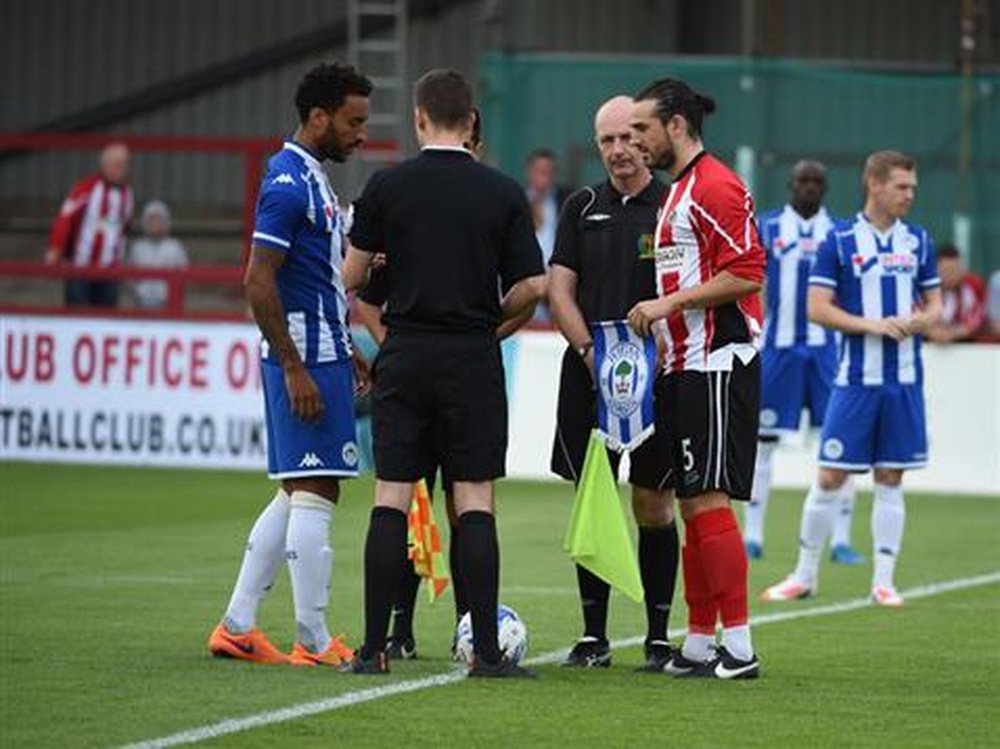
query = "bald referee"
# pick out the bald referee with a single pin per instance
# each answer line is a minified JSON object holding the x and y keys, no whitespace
{"x":451,"y":230}
{"x":603,"y":263}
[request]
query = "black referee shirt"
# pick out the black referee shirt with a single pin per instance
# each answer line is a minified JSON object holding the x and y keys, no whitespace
{"x":607,"y":238}
{"x":449,"y":227}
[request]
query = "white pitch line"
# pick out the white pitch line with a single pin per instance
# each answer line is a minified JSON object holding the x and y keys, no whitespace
{"x":270,"y":717}
{"x":302,"y":710}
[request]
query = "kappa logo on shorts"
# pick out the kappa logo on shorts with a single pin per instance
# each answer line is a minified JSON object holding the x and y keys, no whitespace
{"x":310,"y":460}
{"x":768,"y":417}
{"x":350,"y":454}
{"x":833,"y":448}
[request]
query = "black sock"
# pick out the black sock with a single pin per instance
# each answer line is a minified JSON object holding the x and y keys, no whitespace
{"x":406,"y":601}
{"x":385,"y":557}
{"x":594,"y":593}
{"x":480,"y":555}
{"x":658,"y":560}
{"x":457,"y":578}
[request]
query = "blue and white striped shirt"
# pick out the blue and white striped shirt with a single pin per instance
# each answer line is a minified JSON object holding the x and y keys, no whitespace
{"x":791,"y":243}
{"x":298,"y":215}
{"x":877,"y":275}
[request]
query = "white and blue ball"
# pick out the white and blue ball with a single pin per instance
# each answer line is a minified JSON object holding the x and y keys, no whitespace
{"x":511,"y":634}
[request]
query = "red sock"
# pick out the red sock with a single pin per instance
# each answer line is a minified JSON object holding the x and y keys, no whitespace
{"x":702,"y":611}
{"x":723,"y":559}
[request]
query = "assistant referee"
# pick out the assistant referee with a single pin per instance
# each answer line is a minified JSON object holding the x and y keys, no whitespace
{"x":451,"y":229}
{"x":603,"y":264}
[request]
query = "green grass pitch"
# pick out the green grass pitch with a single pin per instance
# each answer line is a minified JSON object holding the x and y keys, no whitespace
{"x":110,"y":580}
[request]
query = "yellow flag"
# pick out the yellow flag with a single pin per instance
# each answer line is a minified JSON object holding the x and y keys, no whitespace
{"x":598,"y":537}
{"x":425,"y":541}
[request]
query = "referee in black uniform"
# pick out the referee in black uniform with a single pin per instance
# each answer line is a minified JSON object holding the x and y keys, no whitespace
{"x":451,"y":229}
{"x":402,"y":643}
{"x":370,"y":302}
{"x":602,"y":265}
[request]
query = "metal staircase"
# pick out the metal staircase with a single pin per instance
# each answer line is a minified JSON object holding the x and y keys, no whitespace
{"x":376,"y":44}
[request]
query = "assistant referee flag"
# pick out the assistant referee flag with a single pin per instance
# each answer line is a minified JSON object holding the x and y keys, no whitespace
{"x":598,"y":536}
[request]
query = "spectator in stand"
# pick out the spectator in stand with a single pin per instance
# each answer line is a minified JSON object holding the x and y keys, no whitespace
{"x":90,"y":228}
{"x":155,"y":249}
{"x":963,"y":297}
{"x":546,"y":199}
{"x":544,"y":196}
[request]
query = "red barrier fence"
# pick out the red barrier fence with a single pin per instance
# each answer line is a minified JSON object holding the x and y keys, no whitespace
{"x":177,"y":281}
{"x":253,"y":150}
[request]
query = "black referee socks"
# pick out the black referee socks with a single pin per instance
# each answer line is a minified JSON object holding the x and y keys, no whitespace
{"x":659,"y":550}
{"x":457,"y":576}
{"x":594,"y":594}
{"x":385,"y":561}
{"x":480,"y":559}
{"x":406,"y":600}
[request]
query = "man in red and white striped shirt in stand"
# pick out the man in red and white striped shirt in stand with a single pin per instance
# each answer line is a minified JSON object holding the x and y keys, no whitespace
{"x":963,"y":295}
{"x":90,"y":228}
{"x":709,"y":268}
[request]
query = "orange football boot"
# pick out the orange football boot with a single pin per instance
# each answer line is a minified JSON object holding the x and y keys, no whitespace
{"x":336,"y":654}
{"x":251,"y":646}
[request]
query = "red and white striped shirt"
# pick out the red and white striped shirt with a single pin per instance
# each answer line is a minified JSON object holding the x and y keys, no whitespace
{"x":90,"y":228}
{"x":706,"y":225}
{"x":966,"y":304}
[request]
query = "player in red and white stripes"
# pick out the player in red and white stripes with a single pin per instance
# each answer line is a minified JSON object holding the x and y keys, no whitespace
{"x":709,"y":268}
{"x":90,"y":228}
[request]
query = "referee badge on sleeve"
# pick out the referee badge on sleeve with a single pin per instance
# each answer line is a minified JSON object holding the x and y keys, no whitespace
{"x":625,"y":364}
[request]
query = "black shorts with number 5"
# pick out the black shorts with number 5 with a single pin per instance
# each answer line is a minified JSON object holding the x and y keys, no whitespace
{"x":710,"y":422}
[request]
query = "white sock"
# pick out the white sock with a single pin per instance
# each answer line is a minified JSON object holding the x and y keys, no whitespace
{"x":310,"y":562}
{"x":263,"y":558}
{"x":737,"y":641}
{"x":698,"y":647}
{"x":888,"y":517}
{"x":756,"y":509}
{"x":817,"y":517}
{"x":845,"y":515}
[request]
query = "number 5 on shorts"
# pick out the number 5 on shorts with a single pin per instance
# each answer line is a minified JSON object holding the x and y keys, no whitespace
{"x":688,"y":455}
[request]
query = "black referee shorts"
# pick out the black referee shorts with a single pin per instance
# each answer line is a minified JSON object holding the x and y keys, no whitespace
{"x":710,"y":421}
{"x":576,"y":416}
{"x":439,"y":399}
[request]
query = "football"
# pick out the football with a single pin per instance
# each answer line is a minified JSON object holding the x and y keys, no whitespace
{"x":511,"y":633}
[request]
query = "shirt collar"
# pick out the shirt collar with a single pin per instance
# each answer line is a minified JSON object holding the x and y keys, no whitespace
{"x":803,"y":221}
{"x":307,"y":155}
{"x":690,"y":165}
{"x":649,"y":194}
{"x":883,"y":236}
{"x":455,"y":149}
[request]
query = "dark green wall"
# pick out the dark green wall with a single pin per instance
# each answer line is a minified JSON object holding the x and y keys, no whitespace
{"x":784,"y":111}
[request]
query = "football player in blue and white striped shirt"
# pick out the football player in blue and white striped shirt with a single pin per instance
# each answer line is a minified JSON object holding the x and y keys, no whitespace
{"x":799,"y":358}
{"x":876,"y":281}
{"x":295,"y":289}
